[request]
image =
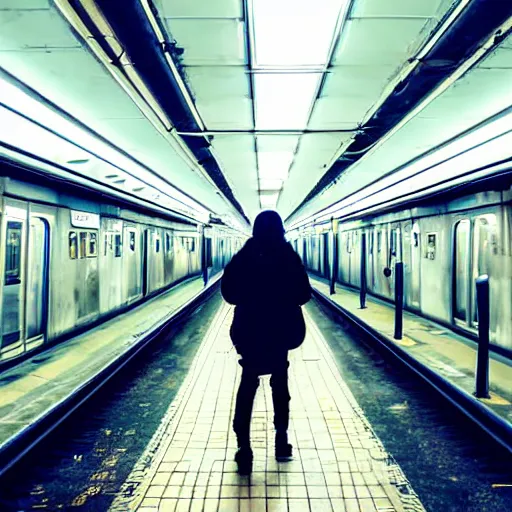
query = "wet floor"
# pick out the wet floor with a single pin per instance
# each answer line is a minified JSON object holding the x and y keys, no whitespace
{"x":450,"y":463}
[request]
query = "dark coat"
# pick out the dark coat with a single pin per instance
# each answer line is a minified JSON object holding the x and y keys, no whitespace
{"x":267,"y":283}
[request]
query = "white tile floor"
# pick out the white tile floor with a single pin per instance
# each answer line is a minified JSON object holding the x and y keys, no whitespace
{"x":339,"y":464}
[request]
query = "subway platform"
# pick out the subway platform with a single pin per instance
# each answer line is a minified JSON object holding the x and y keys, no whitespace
{"x":442,"y":352}
{"x":339,"y":464}
{"x":37,"y":391}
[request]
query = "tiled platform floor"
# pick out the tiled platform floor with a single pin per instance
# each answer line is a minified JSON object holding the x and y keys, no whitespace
{"x":433,"y":345}
{"x":339,"y":464}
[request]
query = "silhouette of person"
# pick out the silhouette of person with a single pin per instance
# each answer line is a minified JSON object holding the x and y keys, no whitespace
{"x":267,"y":283}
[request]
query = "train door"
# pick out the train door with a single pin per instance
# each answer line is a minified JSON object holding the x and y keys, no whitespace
{"x":474,"y":247}
{"x":415,"y":266}
{"x":462,"y":259}
{"x":13,"y":282}
{"x":411,"y":258}
{"x":37,"y":282}
{"x":371,"y":259}
{"x":131,"y":281}
{"x":145,"y":261}
{"x":484,"y":248}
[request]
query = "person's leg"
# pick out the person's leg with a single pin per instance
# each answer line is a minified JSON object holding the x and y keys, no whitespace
{"x":243,"y":409}
{"x":281,"y":400}
{"x":242,"y":419}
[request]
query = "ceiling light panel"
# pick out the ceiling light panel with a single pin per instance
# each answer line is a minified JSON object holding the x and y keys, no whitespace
{"x":294,"y":33}
{"x":269,"y":199}
{"x":274,"y":165}
{"x":283,"y":101}
{"x":271,"y":184}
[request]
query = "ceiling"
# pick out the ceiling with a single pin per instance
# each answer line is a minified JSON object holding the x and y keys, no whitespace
{"x":259,"y":70}
{"x":282,"y":87}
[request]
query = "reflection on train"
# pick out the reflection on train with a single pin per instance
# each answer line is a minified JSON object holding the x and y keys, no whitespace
{"x":66,"y":261}
{"x":444,"y":248}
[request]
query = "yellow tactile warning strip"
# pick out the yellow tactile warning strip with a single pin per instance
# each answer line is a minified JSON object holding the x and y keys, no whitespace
{"x":339,"y":463}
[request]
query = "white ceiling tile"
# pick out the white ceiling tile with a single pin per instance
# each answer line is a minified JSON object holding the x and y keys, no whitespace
{"x":200,"y":8}
{"x":277,"y":143}
{"x":205,"y":42}
{"x":339,"y":113}
{"x":226,"y":114}
{"x":322,"y":143}
{"x":377,"y":42}
{"x":238,"y":162}
{"x":218,"y":82}
{"x":500,"y":58}
{"x":398,"y":7}
{"x":24,"y":4}
{"x":363,"y":81}
{"x":34,"y":30}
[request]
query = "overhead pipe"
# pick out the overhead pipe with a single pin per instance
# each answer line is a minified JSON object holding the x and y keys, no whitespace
{"x":148,"y":63}
{"x":477,"y":30}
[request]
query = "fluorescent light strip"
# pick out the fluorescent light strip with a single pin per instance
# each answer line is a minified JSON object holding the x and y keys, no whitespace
{"x":16,"y":99}
{"x":480,"y":148}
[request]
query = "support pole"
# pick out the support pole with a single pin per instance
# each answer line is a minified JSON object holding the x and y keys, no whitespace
{"x":204,"y":259}
{"x":334,"y":259}
{"x":399,"y":300}
{"x":362,"y":289}
{"x":482,"y":362}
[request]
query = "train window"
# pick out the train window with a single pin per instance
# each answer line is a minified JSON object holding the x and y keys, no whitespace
{"x":93,"y":245}
{"x":132,"y":240}
{"x":392,"y":248}
{"x":379,"y":241}
{"x":157,"y":244}
{"x":83,"y":244}
{"x":349,"y":245}
{"x":13,"y":253}
{"x":485,"y":243}
{"x":209,"y":260}
{"x":168,"y":247}
{"x":461,"y":271}
{"x":431,"y":246}
{"x":192,"y":244}
{"x":73,"y":245}
{"x":118,"y":245}
{"x":415,"y":239}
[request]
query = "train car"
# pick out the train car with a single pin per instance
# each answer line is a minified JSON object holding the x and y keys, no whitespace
{"x":67,"y":261}
{"x":444,"y":246}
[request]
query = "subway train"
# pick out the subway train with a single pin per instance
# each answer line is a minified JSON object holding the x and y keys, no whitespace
{"x":444,"y":246}
{"x":67,"y":261}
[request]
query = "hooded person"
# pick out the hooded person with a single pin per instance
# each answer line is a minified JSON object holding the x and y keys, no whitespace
{"x":268,"y":284}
